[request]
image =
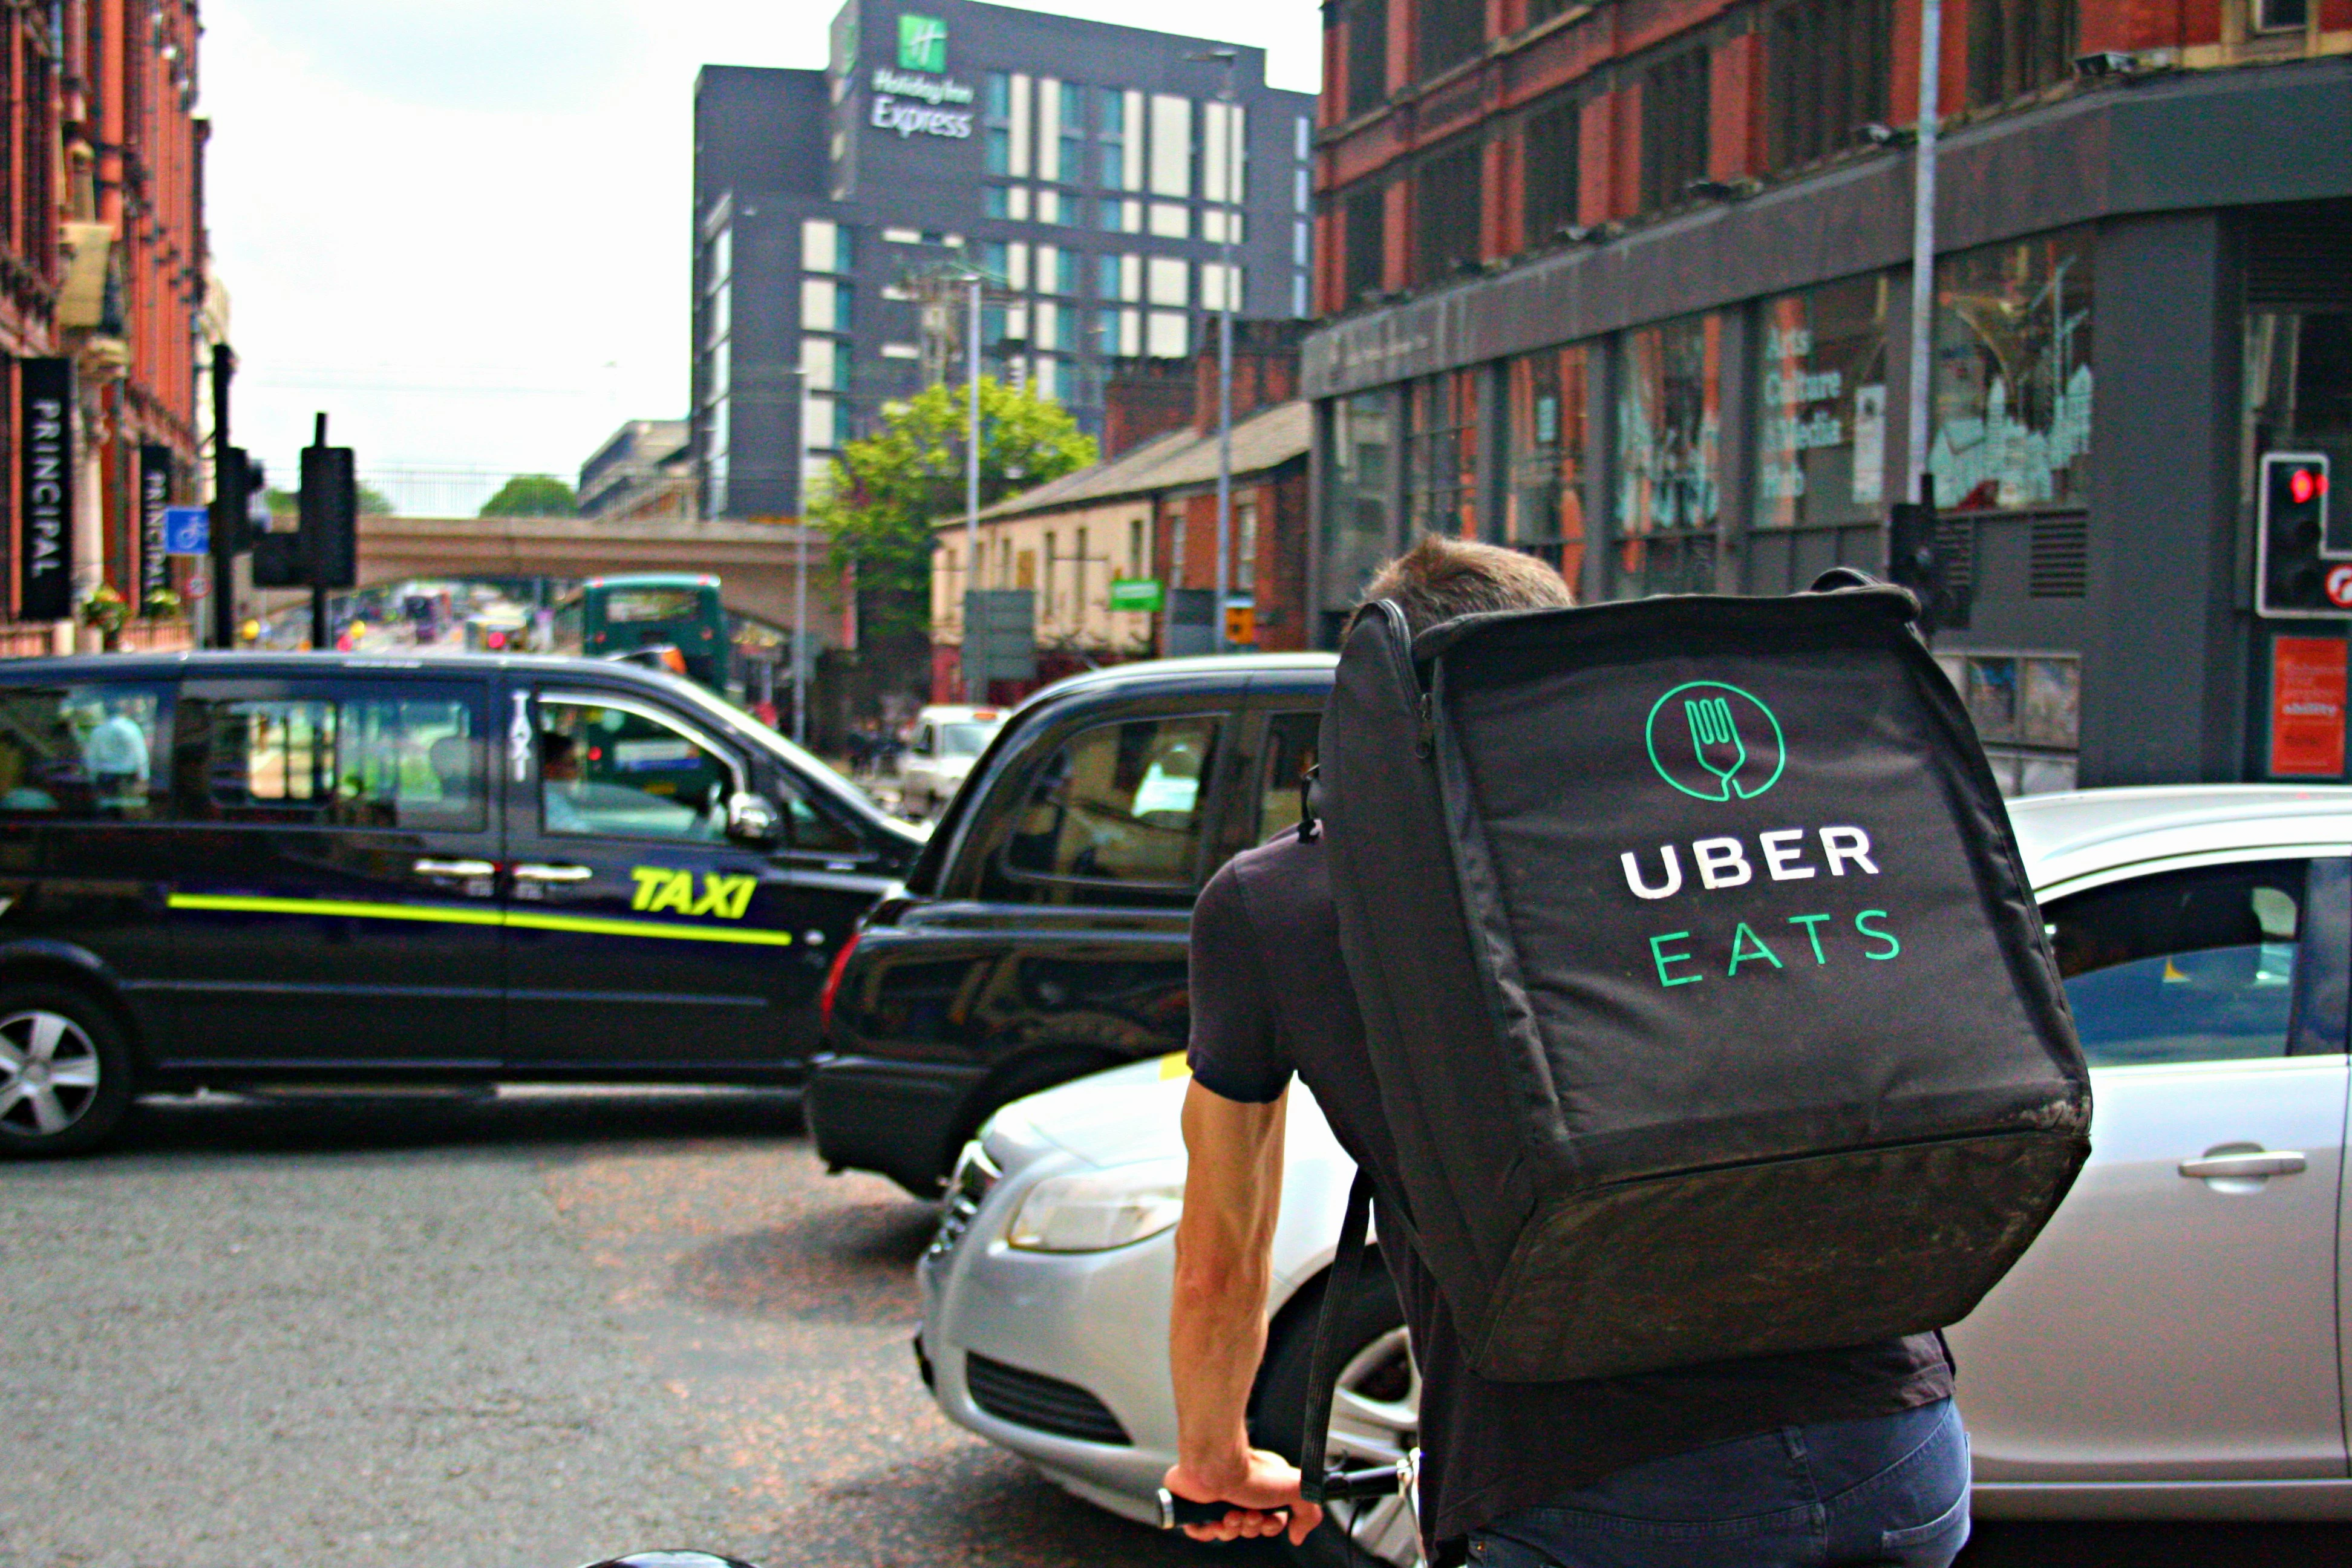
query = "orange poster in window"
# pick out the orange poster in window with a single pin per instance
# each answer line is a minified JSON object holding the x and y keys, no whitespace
{"x":2307,"y":707}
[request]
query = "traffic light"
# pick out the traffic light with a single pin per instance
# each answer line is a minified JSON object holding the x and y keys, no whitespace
{"x":238,"y":497}
{"x":2293,"y":576}
{"x":331,"y":512}
{"x":1915,"y":559}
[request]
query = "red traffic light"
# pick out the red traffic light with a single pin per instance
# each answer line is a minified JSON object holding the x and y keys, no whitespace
{"x":2304,"y":485}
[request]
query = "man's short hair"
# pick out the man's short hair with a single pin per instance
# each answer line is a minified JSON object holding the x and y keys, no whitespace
{"x":1441,"y":578}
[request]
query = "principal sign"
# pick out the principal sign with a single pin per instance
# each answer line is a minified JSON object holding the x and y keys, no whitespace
{"x":45,"y":488}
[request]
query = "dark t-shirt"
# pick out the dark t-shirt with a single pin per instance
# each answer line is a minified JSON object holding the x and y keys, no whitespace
{"x":1270,"y":997}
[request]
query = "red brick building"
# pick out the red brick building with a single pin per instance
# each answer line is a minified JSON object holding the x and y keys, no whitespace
{"x":1627,"y":284}
{"x":103,"y":264}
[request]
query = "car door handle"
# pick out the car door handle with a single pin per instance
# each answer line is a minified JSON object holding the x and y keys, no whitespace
{"x":530,"y":871}
{"x":2256,"y":1162}
{"x":455,"y":868}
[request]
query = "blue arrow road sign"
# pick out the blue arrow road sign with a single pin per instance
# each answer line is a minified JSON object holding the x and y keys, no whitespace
{"x":187,"y":531}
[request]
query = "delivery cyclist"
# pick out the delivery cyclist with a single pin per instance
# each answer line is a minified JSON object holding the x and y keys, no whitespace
{"x":1847,"y":1455}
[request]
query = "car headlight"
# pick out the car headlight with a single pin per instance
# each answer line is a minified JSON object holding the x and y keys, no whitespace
{"x":1093,"y":1211}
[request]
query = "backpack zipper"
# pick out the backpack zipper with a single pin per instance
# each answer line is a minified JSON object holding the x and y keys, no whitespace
{"x":1425,"y":746}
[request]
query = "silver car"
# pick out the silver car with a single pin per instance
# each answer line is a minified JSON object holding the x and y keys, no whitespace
{"x":2172,"y":1347}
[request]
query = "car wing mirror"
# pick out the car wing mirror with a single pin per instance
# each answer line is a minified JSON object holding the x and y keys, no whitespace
{"x":753,"y":819}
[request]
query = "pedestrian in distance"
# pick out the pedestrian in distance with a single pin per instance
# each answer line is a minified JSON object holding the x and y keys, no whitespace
{"x":1849,"y":1455}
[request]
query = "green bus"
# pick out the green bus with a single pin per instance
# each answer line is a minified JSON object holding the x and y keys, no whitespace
{"x":610,"y":617}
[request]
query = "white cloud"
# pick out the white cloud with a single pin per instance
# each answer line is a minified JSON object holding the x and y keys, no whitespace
{"x":462,"y":227}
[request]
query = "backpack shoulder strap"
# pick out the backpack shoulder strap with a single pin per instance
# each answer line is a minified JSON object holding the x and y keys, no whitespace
{"x":1322,"y":1370}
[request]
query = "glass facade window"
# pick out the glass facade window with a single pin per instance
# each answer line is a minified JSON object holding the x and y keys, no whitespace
{"x":1066,"y":271}
{"x":999,"y":95}
{"x":1820,"y":405}
{"x":1544,"y":503}
{"x":2013,"y":375}
{"x":998,"y":150}
{"x":997,"y":202}
{"x":1358,"y":516}
{"x":1107,"y":215}
{"x":1669,"y":488}
{"x":1442,"y":456}
{"x":1107,"y":277}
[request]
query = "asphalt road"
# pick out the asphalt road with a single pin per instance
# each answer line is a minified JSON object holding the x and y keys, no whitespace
{"x":535,"y":1331}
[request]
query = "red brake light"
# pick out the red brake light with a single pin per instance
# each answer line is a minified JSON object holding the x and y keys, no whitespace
{"x":833,"y":982}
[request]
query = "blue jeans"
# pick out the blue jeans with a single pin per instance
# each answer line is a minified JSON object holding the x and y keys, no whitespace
{"x":1890,"y":1490}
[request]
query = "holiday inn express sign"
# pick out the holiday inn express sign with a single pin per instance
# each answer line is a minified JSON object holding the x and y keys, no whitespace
{"x":916,"y":98}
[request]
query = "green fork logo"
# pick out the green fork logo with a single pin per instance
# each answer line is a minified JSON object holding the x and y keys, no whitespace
{"x":1713,"y":742}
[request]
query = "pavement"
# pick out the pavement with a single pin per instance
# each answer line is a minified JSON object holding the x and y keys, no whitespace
{"x":538,"y":1331}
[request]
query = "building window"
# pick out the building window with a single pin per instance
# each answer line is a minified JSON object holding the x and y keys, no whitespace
{"x":2012,"y":381}
{"x":1167,"y":337}
{"x":1448,"y":206}
{"x":2281,"y":16}
{"x":1551,"y":153}
{"x":1675,"y":128}
{"x":1668,"y":438}
{"x":1366,"y":221}
{"x":1168,"y":282}
{"x":1358,"y":533}
{"x":1449,"y":32}
{"x":1368,"y":54}
{"x":996,"y":201}
{"x":998,"y":150}
{"x":1066,"y":270}
{"x":1442,"y":455}
{"x":1107,"y":277}
{"x":1827,"y":64}
{"x":1544,"y":507}
{"x":998,"y":91}
{"x":1544,"y":10}
{"x":1820,"y":406}
{"x":1245,"y":547}
{"x":2018,"y":46}
{"x":1107,"y":215}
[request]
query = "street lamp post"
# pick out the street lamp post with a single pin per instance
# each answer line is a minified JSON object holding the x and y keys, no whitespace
{"x":974,"y":686}
{"x":800,"y":570}
{"x":1224,"y":349}
{"x":1922,"y":243}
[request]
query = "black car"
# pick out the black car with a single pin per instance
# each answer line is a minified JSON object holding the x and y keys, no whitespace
{"x":1041,"y":935}
{"x":232,"y":871}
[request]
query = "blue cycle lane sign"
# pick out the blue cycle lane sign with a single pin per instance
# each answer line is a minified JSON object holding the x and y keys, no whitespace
{"x":187,"y":531}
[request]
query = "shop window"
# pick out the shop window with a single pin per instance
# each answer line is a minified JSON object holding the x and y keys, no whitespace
{"x":1675,"y":128}
{"x":2028,"y":712}
{"x":1359,"y":517}
{"x":2013,"y":379}
{"x":1366,"y":221}
{"x":1827,"y":64}
{"x":1668,"y":441}
{"x":1820,"y":406}
{"x":1447,"y":33}
{"x":80,"y":751}
{"x":1551,"y":158}
{"x":1545,"y":507}
{"x":1368,"y":54}
{"x":1448,"y":204}
{"x":1442,"y":456}
{"x":2019,"y":47}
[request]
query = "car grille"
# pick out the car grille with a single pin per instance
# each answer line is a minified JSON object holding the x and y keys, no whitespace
{"x":975,"y":1173}
{"x":1044,"y":1404}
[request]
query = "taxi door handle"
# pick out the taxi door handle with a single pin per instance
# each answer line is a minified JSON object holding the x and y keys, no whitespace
{"x":455,"y":868}
{"x":530,"y":871}
{"x":2250,"y":1163}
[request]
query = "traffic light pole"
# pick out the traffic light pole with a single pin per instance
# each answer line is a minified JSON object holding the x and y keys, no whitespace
{"x":319,"y":642}
{"x":222,"y":557}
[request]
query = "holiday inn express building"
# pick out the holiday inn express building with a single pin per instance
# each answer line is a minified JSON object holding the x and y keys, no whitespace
{"x":1626,"y":285}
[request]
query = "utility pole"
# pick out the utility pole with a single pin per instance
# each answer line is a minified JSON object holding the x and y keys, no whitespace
{"x":228,"y":510}
{"x":312,"y":555}
{"x":975,"y":689}
{"x":1923,"y":244}
{"x":1225,"y":292}
{"x":800,"y":570}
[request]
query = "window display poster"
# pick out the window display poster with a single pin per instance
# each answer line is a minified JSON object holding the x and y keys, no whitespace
{"x":2307,"y":707}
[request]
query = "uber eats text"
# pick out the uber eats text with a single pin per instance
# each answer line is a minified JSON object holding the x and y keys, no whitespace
{"x":1688,"y":956}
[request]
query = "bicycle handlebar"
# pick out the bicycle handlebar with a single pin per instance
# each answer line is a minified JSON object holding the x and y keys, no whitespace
{"x":1342,"y":1486}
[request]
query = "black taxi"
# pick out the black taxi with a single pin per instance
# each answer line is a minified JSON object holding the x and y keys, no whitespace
{"x":231,"y":870}
{"x":1041,"y":935}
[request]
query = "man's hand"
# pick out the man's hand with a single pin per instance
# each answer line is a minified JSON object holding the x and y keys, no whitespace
{"x":1267,"y":1489}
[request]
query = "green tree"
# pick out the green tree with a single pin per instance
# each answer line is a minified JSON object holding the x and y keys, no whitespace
{"x":532,"y":494}
{"x":886,"y":491}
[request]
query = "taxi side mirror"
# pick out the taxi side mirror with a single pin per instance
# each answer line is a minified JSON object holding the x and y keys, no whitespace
{"x":750,"y":819}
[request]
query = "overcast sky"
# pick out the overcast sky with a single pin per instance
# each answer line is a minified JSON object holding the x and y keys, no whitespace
{"x":460,"y":227}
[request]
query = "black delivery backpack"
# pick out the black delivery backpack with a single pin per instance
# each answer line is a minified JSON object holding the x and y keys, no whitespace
{"x":1709,"y":1004}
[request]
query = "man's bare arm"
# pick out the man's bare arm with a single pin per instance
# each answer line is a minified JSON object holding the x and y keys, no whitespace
{"x":1224,"y":1246}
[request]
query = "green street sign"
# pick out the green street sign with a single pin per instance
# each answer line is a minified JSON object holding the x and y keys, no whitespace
{"x":922,"y":43}
{"x":1136,"y":594}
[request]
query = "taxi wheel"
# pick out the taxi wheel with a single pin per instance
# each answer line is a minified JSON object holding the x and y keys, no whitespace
{"x":65,"y":1071}
{"x":1375,"y":1417}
